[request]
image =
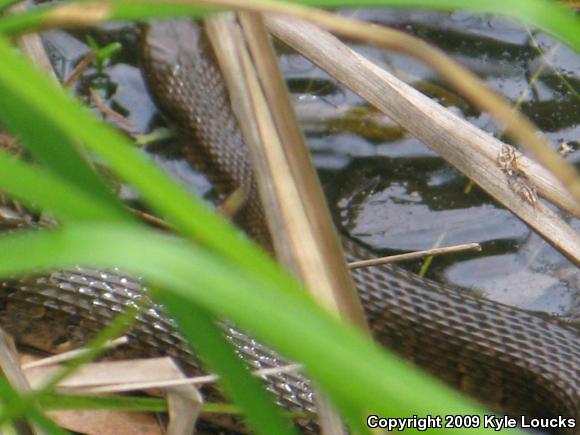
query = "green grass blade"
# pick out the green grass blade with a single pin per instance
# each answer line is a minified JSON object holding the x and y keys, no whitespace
{"x":543,"y":14}
{"x":29,"y":113}
{"x":29,"y":20}
{"x":4,"y":4}
{"x":55,"y":402}
{"x":240,"y":385}
{"x":11,"y":398}
{"x":67,"y":202}
{"x":37,"y":18}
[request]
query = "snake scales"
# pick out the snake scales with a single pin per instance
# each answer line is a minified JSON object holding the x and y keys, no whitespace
{"x":513,"y":360}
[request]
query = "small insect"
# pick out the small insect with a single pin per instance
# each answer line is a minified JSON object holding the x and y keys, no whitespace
{"x":518,"y":181}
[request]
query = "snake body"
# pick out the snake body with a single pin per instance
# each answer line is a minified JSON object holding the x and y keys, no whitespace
{"x":513,"y":360}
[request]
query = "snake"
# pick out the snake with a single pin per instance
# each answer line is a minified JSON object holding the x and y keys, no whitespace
{"x":512,"y":360}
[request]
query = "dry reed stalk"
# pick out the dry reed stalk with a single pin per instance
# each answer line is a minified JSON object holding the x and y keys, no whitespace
{"x":469,"y":149}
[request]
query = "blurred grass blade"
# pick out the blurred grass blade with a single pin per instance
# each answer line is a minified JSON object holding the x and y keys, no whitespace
{"x":240,"y":385}
{"x":24,"y":21}
{"x":10,"y":398}
{"x":4,"y":4}
{"x":56,"y":402}
{"x":86,"y":13}
{"x":63,"y":199}
{"x":546,"y":15}
{"x":304,"y":332}
{"x":26,"y":106}
{"x":543,"y":14}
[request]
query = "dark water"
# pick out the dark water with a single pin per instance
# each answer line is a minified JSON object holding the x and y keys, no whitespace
{"x":386,"y":188}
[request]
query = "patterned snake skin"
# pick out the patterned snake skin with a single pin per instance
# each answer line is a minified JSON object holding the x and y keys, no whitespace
{"x":512,"y":360}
